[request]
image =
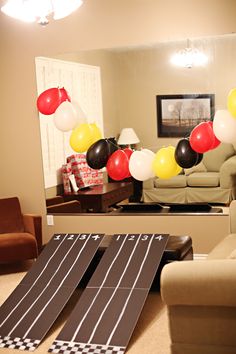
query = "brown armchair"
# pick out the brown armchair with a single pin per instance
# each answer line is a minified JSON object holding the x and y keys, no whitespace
{"x":20,"y":235}
{"x":58,"y":205}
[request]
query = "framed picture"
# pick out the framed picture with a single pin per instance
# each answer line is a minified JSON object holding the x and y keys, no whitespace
{"x":177,"y":115}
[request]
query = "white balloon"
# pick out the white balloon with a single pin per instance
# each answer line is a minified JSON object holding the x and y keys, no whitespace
{"x":149,"y":152}
{"x":65,"y":117}
{"x":151,"y":155}
{"x":224,"y":127}
{"x":81,"y":115}
{"x":140,"y":165}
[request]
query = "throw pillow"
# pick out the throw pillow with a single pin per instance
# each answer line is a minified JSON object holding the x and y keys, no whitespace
{"x":198,"y":168}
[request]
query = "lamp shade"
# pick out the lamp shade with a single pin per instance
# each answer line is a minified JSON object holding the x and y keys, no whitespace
{"x":128,"y":137}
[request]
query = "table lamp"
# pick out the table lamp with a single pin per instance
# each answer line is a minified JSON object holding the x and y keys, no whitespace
{"x":128,"y":137}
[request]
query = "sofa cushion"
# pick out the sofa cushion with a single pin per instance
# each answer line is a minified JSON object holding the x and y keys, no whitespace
{"x":174,"y":182}
{"x":11,"y":219}
{"x":17,"y":247}
{"x":198,"y":168}
{"x":213,"y":159}
{"x":203,"y":179}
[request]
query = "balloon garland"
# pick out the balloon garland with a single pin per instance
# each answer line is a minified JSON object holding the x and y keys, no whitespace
{"x":68,"y":116}
{"x":185,"y":156}
{"x":140,"y":164}
{"x":49,"y":100}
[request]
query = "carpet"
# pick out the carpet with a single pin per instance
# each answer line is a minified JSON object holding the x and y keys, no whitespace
{"x":150,"y":336}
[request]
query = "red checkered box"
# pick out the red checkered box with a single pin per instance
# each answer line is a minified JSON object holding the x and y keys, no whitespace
{"x":66,"y":172}
{"x":84,"y":175}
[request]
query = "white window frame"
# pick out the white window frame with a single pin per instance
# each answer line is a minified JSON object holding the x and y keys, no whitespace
{"x":83,"y":84}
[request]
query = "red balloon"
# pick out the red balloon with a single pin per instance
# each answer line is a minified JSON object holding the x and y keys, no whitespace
{"x":216,"y":141}
{"x":63,"y":95}
{"x":49,"y":100}
{"x":202,"y":137}
{"x":128,"y":153}
{"x":118,"y":165}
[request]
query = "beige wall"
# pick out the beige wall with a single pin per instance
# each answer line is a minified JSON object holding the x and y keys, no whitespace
{"x":100,"y":23}
{"x":143,"y":74}
{"x":205,"y":230}
{"x":132,"y":77}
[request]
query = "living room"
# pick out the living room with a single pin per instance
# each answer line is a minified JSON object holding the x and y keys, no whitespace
{"x":18,"y":36}
{"x":100,"y":24}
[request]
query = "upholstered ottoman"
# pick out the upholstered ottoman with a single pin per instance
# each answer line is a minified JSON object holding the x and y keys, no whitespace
{"x":178,"y":248}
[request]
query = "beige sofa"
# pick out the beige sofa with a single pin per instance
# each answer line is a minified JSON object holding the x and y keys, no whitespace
{"x":201,"y":299}
{"x":212,"y":181}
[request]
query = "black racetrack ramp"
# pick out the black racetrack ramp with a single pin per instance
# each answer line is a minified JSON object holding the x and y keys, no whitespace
{"x":106,"y":314}
{"x":29,"y":312}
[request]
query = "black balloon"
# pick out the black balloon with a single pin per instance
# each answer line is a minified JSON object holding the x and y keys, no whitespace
{"x":98,"y":154}
{"x":112,"y":145}
{"x":199,"y":158}
{"x":185,"y":156}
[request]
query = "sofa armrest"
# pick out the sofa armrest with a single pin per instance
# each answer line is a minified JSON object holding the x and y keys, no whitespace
{"x":33,"y":225}
{"x":73,"y":206}
{"x":199,"y":283}
{"x":232,"y":214}
{"x":149,"y":184}
{"x":228,"y":173}
{"x":54,"y":200}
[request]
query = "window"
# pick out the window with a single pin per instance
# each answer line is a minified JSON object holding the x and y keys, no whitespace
{"x":83,"y":84}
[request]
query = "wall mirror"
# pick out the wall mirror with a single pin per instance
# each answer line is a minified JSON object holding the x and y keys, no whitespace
{"x":131,"y":78}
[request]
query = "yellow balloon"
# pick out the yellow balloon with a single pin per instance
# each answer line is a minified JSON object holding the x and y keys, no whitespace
{"x":178,"y":169}
{"x":231,"y":102}
{"x":164,"y":164}
{"x":81,"y":138}
{"x":163,"y":152}
{"x":96,"y":132}
{"x":171,"y":149}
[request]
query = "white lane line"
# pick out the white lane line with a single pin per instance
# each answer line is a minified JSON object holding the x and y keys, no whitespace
{"x":43,"y":309}
{"x":114,"y":292}
{"x":99,"y":289}
{"x":133,"y":287}
{"x":60,"y":264}
{"x":33,"y":282}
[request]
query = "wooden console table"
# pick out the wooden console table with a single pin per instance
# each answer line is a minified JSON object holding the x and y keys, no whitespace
{"x":99,"y":198}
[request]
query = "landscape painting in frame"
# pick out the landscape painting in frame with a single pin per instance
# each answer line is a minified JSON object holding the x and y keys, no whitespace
{"x":177,"y":115}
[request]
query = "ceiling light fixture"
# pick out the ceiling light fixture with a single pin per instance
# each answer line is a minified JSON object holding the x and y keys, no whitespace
{"x":189,"y":57}
{"x":39,"y":10}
